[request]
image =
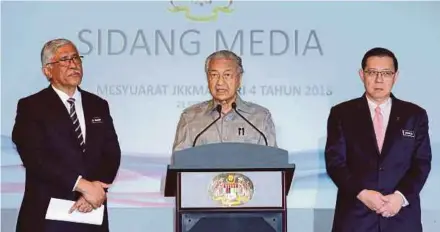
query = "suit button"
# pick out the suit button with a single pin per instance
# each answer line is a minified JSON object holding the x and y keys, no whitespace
{"x":381,"y":169}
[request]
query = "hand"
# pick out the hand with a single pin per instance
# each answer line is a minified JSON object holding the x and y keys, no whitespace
{"x":93,"y":192}
{"x":372,"y":199}
{"x":393,"y":205}
{"x":82,"y":206}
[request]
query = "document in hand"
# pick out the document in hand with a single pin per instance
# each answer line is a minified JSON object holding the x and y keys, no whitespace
{"x":59,"y":210}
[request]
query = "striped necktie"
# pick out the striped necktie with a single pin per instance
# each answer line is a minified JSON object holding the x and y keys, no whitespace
{"x":76,"y":125}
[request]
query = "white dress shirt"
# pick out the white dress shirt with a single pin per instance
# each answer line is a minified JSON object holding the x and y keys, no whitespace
{"x":385,"y":109}
{"x":79,"y":112}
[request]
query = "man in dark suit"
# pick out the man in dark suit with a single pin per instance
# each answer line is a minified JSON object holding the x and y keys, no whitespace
{"x":378,"y":154}
{"x":67,"y":143}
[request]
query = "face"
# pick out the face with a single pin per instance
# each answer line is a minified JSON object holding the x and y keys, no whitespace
{"x":223,"y":79}
{"x":379,"y":76}
{"x":65,"y":68}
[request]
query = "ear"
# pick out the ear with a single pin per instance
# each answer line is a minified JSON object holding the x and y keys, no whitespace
{"x":396,"y":76}
{"x":239,"y":80}
{"x":239,"y":77}
{"x":361,"y":75}
{"x":47,"y":71}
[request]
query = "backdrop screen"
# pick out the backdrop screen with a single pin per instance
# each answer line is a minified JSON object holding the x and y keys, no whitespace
{"x":147,"y":60}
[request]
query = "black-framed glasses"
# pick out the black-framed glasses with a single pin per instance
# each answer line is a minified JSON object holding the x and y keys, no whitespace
{"x":65,"y":61}
{"x":376,"y":73}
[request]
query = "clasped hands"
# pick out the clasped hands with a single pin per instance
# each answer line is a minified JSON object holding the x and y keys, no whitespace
{"x":387,"y":206}
{"x":93,"y":195}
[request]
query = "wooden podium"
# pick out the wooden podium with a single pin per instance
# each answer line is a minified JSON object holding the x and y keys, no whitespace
{"x":236,"y":187}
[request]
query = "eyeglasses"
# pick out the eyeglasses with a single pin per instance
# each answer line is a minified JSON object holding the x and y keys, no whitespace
{"x":65,"y":61}
{"x":375,"y":73}
{"x":214,"y":76}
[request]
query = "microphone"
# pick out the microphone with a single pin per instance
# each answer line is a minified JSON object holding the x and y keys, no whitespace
{"x":234,"y":106}
{"x":218,"y":108}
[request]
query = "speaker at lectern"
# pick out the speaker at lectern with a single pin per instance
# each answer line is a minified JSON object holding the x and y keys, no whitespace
{"x":230,"y":187}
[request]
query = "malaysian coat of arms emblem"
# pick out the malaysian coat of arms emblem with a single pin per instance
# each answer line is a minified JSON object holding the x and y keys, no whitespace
{"x":231,"y":189}
{"x":192,"y":8}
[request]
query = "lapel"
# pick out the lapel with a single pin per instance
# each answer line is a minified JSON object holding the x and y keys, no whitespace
{"x":59,"y":114}
{"x":394,"y":124}
{"x":366,"y":125}
{"x":87,"y":109}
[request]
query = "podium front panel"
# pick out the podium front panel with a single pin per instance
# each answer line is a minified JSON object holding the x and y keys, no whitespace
{"x":232,"y":221}
{"x":235,"y":189}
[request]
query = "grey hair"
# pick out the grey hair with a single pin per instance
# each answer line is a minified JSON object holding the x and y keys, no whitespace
{"x":225,"y":54}
{"x":50,"y":48}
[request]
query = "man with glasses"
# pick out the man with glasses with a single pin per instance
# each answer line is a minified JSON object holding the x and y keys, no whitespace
{"x":67,"y":143}
{"x":378,"y":153}
{"x":224,"y":72}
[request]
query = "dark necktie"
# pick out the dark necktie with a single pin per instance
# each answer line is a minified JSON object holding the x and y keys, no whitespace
{"x":76,"y":125}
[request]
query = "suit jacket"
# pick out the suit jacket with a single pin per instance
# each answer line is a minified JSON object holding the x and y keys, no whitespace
{"x":45,"y":139}
{"x":354,"y":163}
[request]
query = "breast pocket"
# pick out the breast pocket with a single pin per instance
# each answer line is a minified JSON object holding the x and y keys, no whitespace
{"x":408,"y":139}
{"x":248,"y":135}
{"x":96,"y":131}
{"x":405,"y":148}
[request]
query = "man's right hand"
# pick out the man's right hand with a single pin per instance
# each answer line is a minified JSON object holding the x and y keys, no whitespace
{"x":93,"y":192}
{"x":372,"y":199}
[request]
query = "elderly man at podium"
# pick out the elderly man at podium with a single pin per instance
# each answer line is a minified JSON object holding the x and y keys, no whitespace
{"x":226,"y":117}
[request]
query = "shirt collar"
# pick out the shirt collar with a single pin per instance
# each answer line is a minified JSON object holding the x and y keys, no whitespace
{"x":64,"y":97}
{"x":241,"y":105}
{"x":382,"y":106}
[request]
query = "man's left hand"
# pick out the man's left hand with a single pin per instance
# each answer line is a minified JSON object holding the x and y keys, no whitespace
{"x":82,"y":206}
{"x":392,"y":207}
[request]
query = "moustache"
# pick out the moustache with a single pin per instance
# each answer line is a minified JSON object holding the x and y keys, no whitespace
{"x":74,"y":72}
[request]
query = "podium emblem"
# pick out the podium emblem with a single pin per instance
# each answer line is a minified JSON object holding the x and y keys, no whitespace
{"x":231,"y":189}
